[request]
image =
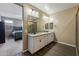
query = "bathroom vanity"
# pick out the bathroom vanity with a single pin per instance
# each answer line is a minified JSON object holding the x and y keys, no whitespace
{"x":39,"y":40}
{"x":40,"y":31}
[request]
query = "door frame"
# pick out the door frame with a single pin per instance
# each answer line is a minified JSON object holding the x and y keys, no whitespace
{"x":77,"y":32}
{"x":23,"y":25}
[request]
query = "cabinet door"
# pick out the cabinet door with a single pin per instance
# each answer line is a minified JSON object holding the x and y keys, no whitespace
{"x":42,"y":41}
{"x":45,"y":39}
{"x":50,"y":37}
{"x":36,"y":43}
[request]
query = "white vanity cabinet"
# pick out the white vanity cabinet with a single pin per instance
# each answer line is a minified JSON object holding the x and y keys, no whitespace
{"x":51,"y":37}
{"x":36,"y":42}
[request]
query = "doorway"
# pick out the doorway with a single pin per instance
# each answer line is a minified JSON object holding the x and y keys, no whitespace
{"x":11,"y":16}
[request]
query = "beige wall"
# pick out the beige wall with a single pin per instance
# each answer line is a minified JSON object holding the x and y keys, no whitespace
{"x":64,"y":26}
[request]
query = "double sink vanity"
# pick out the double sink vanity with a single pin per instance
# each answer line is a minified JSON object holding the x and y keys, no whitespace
{"x":40,"y":31}
{"x":39,"y":40}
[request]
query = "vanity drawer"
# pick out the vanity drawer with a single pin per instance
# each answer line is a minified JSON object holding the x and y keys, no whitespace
{"x":44,"y":39}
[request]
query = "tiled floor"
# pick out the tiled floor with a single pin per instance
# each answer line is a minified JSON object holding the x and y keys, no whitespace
{"x":53,"y":49}
{"x":11,"y":47}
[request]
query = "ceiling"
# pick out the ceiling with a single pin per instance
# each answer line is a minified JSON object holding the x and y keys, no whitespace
{"x":51,"y":8}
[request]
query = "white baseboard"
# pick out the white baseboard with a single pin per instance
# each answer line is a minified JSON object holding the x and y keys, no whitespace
{"x":66,"y":44}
